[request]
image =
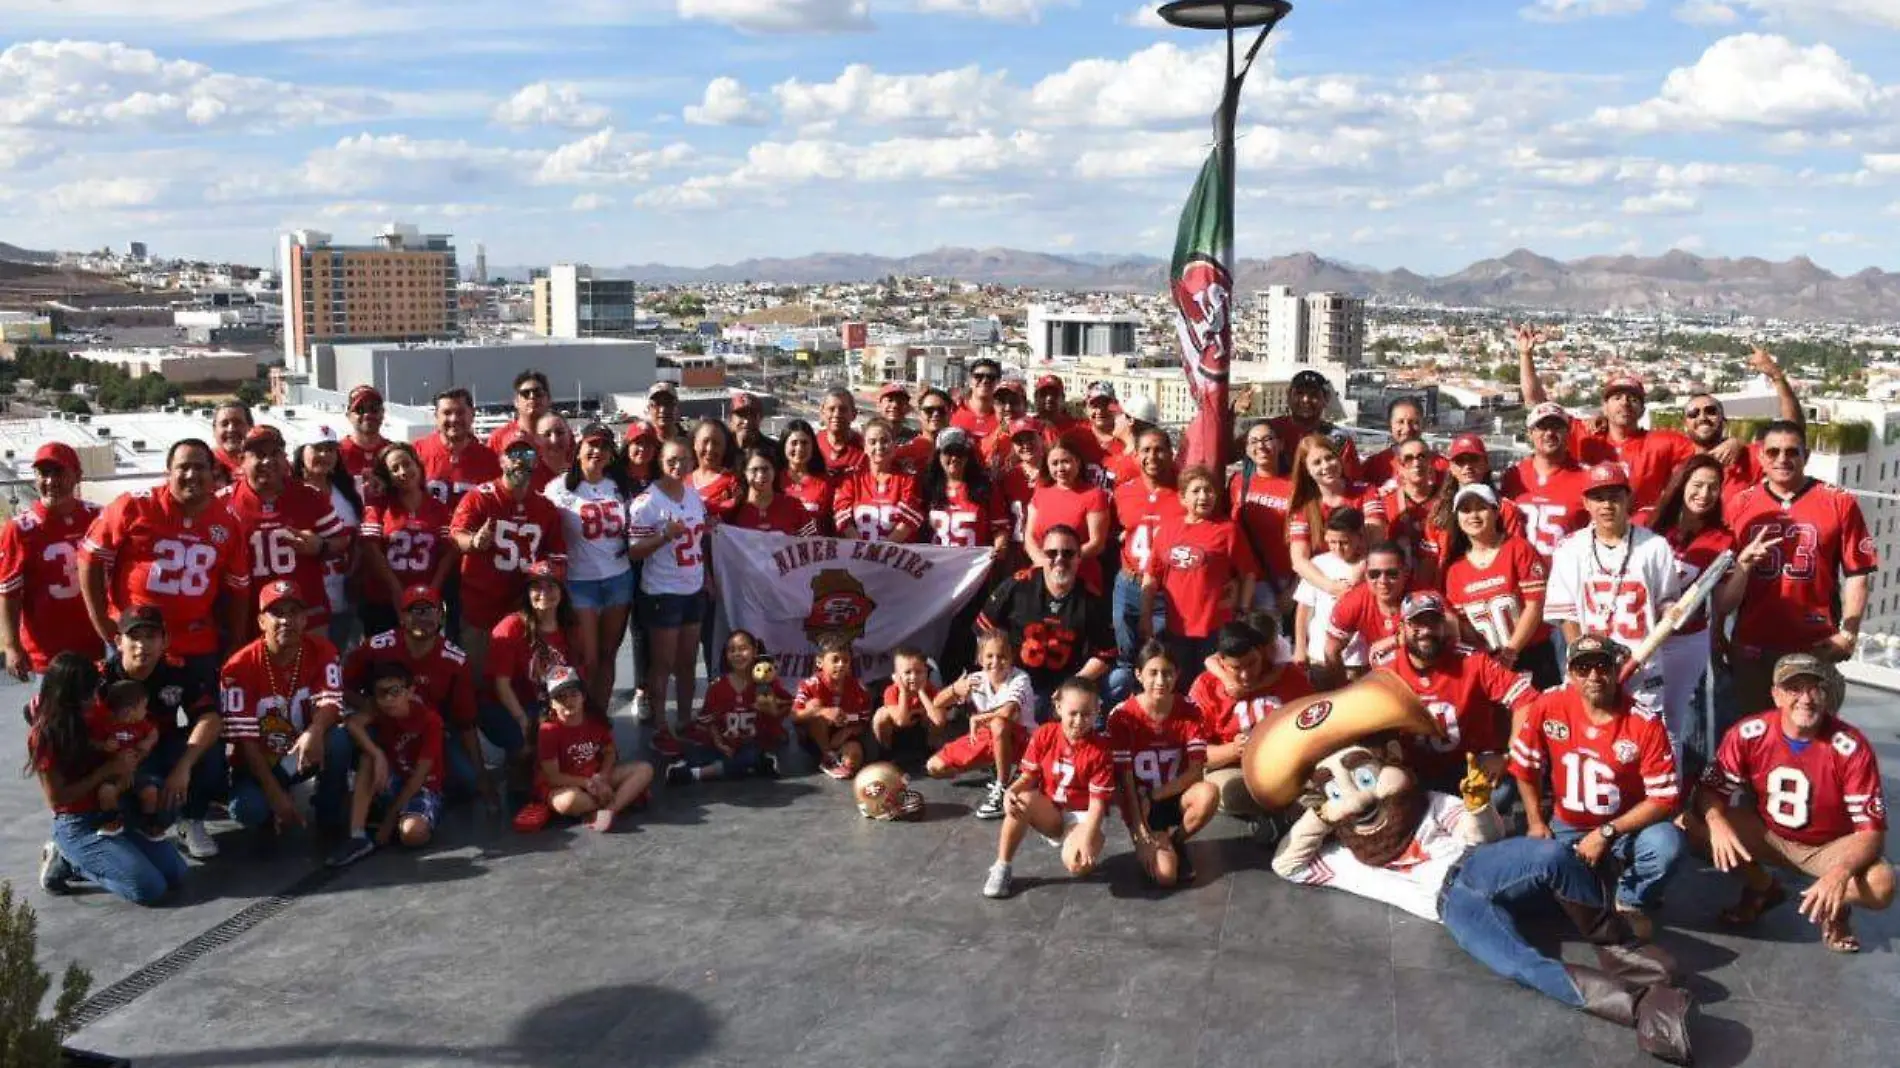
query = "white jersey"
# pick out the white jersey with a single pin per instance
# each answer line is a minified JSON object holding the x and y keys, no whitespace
{"x":1411,"y":882}
{"x":985,"y":696}
{"x":1321,"y":603}
{"x":336,"y":573}
{"x":1619,"y":591}
{"x":677,"y":568}
{"x":594,"y":518}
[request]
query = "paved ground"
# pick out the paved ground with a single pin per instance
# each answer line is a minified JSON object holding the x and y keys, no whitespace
{"x":767,"y":923}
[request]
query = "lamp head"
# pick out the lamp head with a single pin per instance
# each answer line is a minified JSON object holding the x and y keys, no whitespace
{"x":1223,"y":14}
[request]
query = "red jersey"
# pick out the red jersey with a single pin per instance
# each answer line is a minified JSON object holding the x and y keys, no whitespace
{"x":1056,"y":506}
{"x":1492,"y":598}
{"x":44,"y":760}
{"x":274,"y":705}
{"x":112,"y":734}
{"x":524,"y":658}
{"x":449,"y":476}
{"x":874,"y":505}
{"x":1470,"y":696}
{"x":961,"y":523}
{"x":408,"y":741}
{"x":1383,"y":467}
{"x":1194,"y":562}
{"x":849,"y":695}
{"x":1809,"y":792}
{"x":1141,"y":512}
{"x":921,"y":701}
{"x":1261,"y":509}
{"x":719,"y":491}
{"x":1650,"y":456}
{"x":785,"y":514}
{"x":526,"y":530}
{"x":841,"y":457}
{"x":580,"y":749}
{"x":440,"y":674}
{"x":1358,"y":612}
{"x":1789,"y":603}
{"x":913,"y":456}
{"x":159,"y":556}
{"x":507,"y":434}
{"x":734,"y":714}
{"x":1408,"y":522}
{"x":270,"y":527}
{"x":1357,"y":495}
{"x":979,"y":427}
{"x":357,"y":459}
{"x":39,"y":568}
{"x":1070,"y":773}
{"x":232,"y":465}
{"x":1018,"y":488}
{"x":413,"y":543}
{"x":1552,"y":504}
{"x":1157,"y":752}
{"x":1741,"y":472}
{"x":1290,"y":433}
{"x":1597,"y":771}
{"x":1227,"y":717}
{"x":813,"y":493}
{"x":1694,"y":554}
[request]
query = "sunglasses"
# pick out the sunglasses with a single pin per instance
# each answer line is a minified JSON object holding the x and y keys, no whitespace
{"x":1791,"y":453}
{"x":1062,"y":554}
{"x":1698,"y":413}
{"x":520,"y":452}
{"x":1383,"y":572}
{"x":935,"y":411}
{"x":1593,"y":667}
{"x":531,"y":393}
{"x":986,"y":376}
{"x":1415,"y":458}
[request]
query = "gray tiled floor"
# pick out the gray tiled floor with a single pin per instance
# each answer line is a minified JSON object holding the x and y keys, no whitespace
{"x":766,"y":923}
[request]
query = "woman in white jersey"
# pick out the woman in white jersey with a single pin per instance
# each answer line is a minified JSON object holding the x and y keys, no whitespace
{"x":594,"y":496}
{"x":317,"y":464}
{"x":665,"y":529}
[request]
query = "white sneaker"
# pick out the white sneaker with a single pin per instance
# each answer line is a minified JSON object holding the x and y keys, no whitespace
{"x":199,"y":844}
{"x":997,"y":885}
{"x":642,"y":708}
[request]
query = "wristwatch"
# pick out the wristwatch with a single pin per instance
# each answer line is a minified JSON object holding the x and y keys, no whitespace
{"x":1608,"y":831}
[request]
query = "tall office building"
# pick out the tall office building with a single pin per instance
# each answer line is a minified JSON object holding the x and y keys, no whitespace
{"x":399,"y":288}
{"x":570,"y":302}
{"x":1317,"y":328}
{"x":1061,"y":334}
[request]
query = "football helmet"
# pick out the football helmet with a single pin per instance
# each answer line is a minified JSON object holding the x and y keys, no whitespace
{"x":883,"y":793}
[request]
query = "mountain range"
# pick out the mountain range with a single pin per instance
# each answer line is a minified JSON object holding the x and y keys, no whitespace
{"x":1676,"y":281}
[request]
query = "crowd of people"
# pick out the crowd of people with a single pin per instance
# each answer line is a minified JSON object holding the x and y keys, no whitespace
{"x":363,"y":615}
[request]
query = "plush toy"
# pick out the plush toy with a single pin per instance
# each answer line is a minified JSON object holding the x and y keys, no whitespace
{"x":1369,"y":828}
{"x":764,"y":676}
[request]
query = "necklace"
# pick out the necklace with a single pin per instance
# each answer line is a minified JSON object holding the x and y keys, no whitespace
{"x":1616,"y":583}
{"x":270,"y":674}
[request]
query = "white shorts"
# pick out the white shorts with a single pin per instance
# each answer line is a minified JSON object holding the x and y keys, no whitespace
{"x":1069,"y":820}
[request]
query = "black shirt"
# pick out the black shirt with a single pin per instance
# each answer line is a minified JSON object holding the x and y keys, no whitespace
{"x":174,"y":699}
{"x":1054,"y":636}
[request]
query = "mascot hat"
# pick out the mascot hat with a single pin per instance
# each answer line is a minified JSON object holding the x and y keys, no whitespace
{"x":1283,"y":751}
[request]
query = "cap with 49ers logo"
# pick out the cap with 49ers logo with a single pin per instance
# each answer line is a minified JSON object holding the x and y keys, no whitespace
{"x":283,"y":592}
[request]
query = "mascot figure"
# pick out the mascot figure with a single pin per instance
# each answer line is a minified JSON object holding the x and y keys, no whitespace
{"x":1369,"y":828}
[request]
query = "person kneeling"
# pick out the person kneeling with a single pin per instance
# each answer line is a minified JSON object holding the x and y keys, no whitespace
{"x":833,"y":708}
{"x":409,"y":794}
{"x":1002,"y":706}
{"x":1159,"y":755}
{"x":1064,"y":783}
{"x":579,"y":773}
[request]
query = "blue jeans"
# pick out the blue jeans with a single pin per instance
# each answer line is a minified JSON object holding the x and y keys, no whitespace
{"x":250,"y":806}
{"x":126,"y":865}
{"x":1476,"y":908}
{"x":1126,"y":608}
{"x":492,"y":718}
{"x":743,"y":761}
{"x":210,"y":776}
{"x":460,"y":776}
{"x":1648,"y":857}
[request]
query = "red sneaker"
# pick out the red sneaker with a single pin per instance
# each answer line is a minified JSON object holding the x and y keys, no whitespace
{"x":533,"y":816}
{"x":667,"y":744}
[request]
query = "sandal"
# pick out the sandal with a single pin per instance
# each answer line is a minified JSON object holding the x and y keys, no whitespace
{"x":1752,"y":905}
{"x":1838,"y":937}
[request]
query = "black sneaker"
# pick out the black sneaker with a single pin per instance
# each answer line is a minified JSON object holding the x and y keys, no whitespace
{"x":56,"y":872}
{"x":767,"y":767}
{"x":1183,"y":863}
{"x":353,"y":849}
{"x":991,"y":808}
{"x":678,"y":773}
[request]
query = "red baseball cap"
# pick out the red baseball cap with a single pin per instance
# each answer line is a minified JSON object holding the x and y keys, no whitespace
{"x":1607,"y":475}
{"x":1025,"y":426}
{"x":420,"y":594}
{"x":278,"y":591}
{"x":1625,"y":384}
{"x":1548,"y":410}
{"x":1049,"y":382}
{"x":894,"y":389}
{"x":548,"y":569}
{"x":640,"y":428}
{"x":1467,"y":445}
{"x":1013,"y":383}
{"x":364,"y":395}
{"x":744,"y":402}
{"x":265,"y":437}
{"x":58,"y":453}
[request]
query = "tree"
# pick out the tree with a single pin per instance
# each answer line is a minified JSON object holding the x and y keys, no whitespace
{"x":25,"y":1038}
{"x":250,"y":394}
{"x":73,"y":404}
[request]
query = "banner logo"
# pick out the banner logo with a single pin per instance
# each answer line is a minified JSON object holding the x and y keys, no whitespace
{"x":839,"y":605}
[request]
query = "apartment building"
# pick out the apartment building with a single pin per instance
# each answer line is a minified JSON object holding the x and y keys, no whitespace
{"x":401,"y":287}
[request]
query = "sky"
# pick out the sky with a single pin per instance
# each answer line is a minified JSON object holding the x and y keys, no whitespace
{"x":691,"y":132}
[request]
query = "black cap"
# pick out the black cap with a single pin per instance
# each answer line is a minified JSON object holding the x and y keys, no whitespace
{"x":1312,"y":380}
{"x":139,"y":616}
{"x":1595,"y":647}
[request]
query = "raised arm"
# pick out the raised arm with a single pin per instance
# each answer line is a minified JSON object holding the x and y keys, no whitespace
{"x":1528,"y":338}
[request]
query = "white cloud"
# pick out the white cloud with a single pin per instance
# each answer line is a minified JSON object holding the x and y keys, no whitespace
{"x":1882,"y":162}
{"x":686,"y":197}
{"x":1663,"y":203}
{"x":964,"y":99}
{"x":590,"y":202}
{"x":976,"y":201}
{"x":606,"y":157}
{"x":1161,"y":83}
{"x":550,"y":104}
{"x":1002,"y":10}
{"x":726,"y":103}
{"x":1706,"y":13}
{"x":104,"y":194}
{"x":782,"y":16}
{"x":1758,"y":80}
{"x":1864,"y":12}
{"x":1841,"y":237}
{"x":1568,"y":10}
{"x":1147,"y":16}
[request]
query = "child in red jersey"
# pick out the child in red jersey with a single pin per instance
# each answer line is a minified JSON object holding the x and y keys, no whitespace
{"x":1203,"y":565}
{"x":1063,"y":785}
{"x":909,"y":698}
{"x":409,"y":797}
{"x":1160,"y":752}
{"x":580,"y":772}
{"x":122,"y":726}
{"x":834,"y":709}
{"x":740,"y":722}
{"x":1002,"y":705}
{"x":1242,"y":684}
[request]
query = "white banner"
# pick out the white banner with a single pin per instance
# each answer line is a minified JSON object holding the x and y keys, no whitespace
{"x":790,"y":592}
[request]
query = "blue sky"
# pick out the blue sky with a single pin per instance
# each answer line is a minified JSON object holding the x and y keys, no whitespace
{"x":1425,"y":135}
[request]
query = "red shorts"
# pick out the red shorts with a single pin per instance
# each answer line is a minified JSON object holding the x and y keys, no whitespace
{"x":967,"y":750}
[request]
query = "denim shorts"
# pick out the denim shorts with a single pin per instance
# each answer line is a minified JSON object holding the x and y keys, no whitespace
{"x":667,"y":611}
{"x":596,"y":594}
{"x":426,"y":803}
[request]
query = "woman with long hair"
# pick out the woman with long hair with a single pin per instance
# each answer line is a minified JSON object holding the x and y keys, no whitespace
{"x":404,"y":538}
{"x":877,"y":502}
{"x":1160,"y":760}
{"x":639,"y":460}
{"x":1689,"y":515}
{"x":1494,"y":583}
{"x":1259,"y":498}
{"x":1202,"y":565}
{"x":61,"y":754}
{"x":1068,"y":499}
{"x":1019,"y":473}
{"x":763,"y":507}
{"x":318,"y":463}
{"x":964,"y":510}
{"x":1320,"y":487}
{"x":527,"y":644}
{"x":1469,"y":464}
{"x":667,"y":523}
{"x":806,"y":480}
{"x":593,"y":497}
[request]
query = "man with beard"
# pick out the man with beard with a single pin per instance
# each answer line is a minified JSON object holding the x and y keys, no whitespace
{"x":289,"y":526}
{"x":1548,"y":485}
{"x":1474,"y":700}
{"x":1707,"y":426}
{"x":365,"y":442}
{"x":439,"y":678}
{"x":1409,"y":496}
{"x":1059,"y":626}
{"x":1405,"y":420}
{"x":502,"y":528}
{"x":1370,"y":829}
{"x":742,"y":419}
{"x":1306,"y":400}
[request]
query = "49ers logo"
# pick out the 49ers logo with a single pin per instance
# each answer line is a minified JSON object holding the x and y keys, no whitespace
{"x":1313,"y":715}
{"x":1202,"y":292}
{"x":1186,"y":558}
{"x":839,"y":605}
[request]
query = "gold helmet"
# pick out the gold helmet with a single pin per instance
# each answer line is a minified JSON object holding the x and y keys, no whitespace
{"x":883,"y":793}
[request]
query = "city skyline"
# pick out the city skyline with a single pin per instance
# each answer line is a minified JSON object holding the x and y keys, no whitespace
{"x":694,"y":132}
